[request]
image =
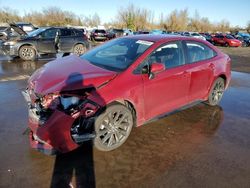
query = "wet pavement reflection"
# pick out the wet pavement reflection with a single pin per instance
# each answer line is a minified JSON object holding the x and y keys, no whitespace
{"x":201,"y":146}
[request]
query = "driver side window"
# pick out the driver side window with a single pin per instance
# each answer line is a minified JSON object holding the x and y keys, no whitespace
{"x":48,"y":34}
{"x":171,"y":55}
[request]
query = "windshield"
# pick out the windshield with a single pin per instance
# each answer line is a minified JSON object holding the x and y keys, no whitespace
{"x":229,"y":37}
{"x":36,"y":32}
{"x":117,"y":55}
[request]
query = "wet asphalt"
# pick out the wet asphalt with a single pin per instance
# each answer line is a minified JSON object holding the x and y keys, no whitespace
{"x":199,"y":147}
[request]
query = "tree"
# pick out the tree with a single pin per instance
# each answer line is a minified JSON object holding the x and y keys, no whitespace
{"x":177,"y":20}
{"x":92,"y":20}
{"x":8,"y":15}
{"x":135,"y":18}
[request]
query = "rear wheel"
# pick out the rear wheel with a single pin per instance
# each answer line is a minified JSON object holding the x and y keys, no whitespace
{"x":79,"y":49}
{"x":113,"y":127}
{"x":27,"y":53}
{"x":216,"y":92}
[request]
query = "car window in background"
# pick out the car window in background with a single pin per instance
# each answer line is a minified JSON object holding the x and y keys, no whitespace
{"x":79,"y":32}
{"x":66,"y":32}
{"x":195,"y":34}
{"x":50,"y":33}
{"x":100,"y":31}
{"x":229,"y":37}
{"x":198,"y":52}
{"x":171,"y":55}
{"x":117,"y":55}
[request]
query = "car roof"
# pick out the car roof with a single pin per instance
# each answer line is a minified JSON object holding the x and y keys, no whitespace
{"x":57,"y":27}
{"x":156,"y":38}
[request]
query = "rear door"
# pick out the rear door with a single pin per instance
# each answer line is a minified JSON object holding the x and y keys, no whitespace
{"x":201,"y":69}
{"x":66,"y":40}
{"x":168,"y":90}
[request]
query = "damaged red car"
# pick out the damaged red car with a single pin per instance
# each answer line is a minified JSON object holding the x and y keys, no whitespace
{"x":121,"y":84}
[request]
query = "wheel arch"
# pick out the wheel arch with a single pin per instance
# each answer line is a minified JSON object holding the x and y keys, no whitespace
{"x":129,"y":105}
{"x":27,"y":44}
{"x":224,"y":77}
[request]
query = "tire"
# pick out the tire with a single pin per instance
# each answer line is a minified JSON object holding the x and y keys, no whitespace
{"x":226,"y":44}
{"x":27,"y":53}
{"x":216,"y":92}
{"x":113,"y":127}
{"x":79,"y":49}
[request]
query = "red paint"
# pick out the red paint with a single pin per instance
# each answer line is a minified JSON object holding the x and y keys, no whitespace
{"x":226,"y":41}
{"x":169,"y":90}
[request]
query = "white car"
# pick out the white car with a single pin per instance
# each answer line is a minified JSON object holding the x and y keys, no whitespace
{"x":197,"y":35}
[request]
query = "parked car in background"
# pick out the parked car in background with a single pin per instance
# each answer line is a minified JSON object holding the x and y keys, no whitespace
{"x":245,"y":40}
{"x":113,"y":33}
{"x":127,"y":32}
{"x":187,"y":34}
{"x":75,"y":99}
{"x":11,"y":32}
{"x":45,"y":40}
{"x":226,"y":40}
{"x":197,"y":35}
{"x":98,"y":35}
{"x":3,"y":33}
{"x":27,"y":27}
{"x":141,"y":32}
{"x":208,"y":37}
{"x":157,"y":32}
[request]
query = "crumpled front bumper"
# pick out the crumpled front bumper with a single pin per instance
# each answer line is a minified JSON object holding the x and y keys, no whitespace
{"x":10,"y":50}
{"x":53,"y":135}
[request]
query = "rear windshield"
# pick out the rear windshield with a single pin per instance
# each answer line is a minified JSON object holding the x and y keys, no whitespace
{"x":100,"y":31}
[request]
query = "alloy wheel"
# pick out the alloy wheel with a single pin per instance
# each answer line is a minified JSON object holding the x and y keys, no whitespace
{"x":114,"y":128}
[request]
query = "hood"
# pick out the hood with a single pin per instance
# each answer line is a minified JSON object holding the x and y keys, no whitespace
{"x":67,"y":74}
{"x":235,"y":40}
{"x":18,"y":29}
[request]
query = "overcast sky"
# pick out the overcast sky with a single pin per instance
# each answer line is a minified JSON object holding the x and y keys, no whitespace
{"x":236,"y":12}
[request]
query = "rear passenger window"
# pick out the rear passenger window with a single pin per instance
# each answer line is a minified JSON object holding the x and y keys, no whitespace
{"x":79,"y":32}
{"x":198,"y":52}
{"x":170,"y":55}
{"x":66,"y":32}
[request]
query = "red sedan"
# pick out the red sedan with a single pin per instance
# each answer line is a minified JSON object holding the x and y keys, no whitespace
{"x":121,"y":84}
{"x":226,"y":40}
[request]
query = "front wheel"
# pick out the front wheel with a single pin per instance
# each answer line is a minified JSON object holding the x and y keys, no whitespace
{"x":27,"y":53}
{"x":113,"y":127}
{"x":216,"y":92}
{"x":79,"y":49}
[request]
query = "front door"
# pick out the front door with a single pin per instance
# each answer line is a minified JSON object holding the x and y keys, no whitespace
{"x":167,"y":90}
{"x":46,"y":41}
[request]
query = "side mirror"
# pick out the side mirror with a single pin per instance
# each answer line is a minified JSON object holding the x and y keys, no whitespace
{"x":157,"y":67}
{"x":39,"y":36}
